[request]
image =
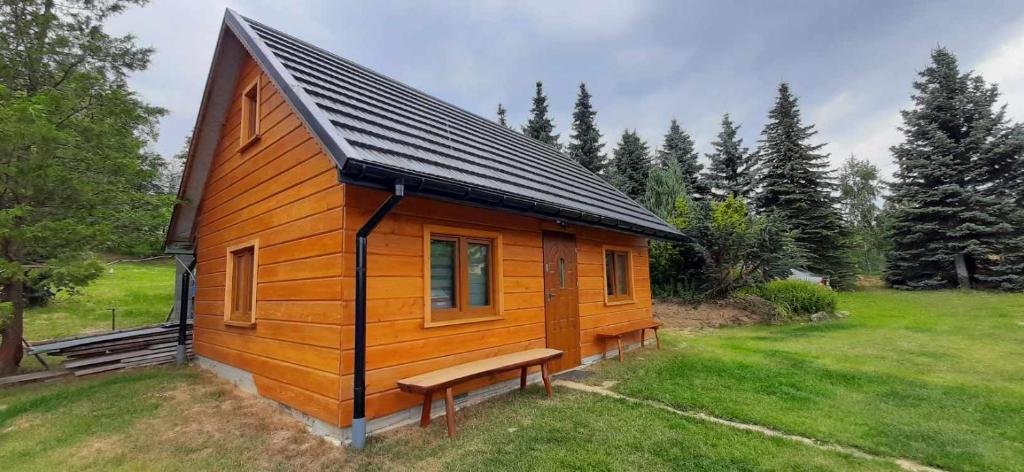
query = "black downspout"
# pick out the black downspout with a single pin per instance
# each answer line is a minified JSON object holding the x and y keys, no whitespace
{"x":183,"y":320}
{"x":359,"y":375}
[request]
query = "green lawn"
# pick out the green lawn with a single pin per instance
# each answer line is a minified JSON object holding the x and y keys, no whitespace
{"x":935,"y":377}
{"x":932,"y":377}
{"x":142,"y":293}
{"x":168,"y":419}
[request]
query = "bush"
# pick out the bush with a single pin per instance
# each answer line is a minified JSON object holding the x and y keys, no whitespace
{"x":757,"y":306}
{"x":726,"y":248}
{"x":795,"y":298}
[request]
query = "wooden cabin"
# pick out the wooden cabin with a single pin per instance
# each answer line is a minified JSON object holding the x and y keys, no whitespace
{"x":495,"y":242}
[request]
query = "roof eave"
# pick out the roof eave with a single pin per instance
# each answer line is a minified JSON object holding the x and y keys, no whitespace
{"x":368,"y":175}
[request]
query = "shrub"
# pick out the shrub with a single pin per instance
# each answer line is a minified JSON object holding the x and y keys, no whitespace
{"x":726,"y":248}
{"x":757,"y":306}
{"x":795,"y":298}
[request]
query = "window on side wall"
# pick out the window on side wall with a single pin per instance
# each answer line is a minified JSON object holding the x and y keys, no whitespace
{"x":462,"y":270}
{"x":240,"y":284}
{"x":618,"y":275}
{"x":250,"y":126}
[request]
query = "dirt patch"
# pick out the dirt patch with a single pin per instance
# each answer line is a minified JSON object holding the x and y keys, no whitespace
{"x":681,"y":315}
{"x":211,"y":414}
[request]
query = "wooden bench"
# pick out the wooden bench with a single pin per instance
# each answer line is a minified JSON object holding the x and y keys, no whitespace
{"x":445,"y":379}
{"x":619,"y":331}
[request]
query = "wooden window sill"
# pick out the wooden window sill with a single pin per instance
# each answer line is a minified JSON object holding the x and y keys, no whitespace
{"x":249,"y":143}
{"x":240,"y":324}
{"x":479,"y":319}
{"x":618,"y":302}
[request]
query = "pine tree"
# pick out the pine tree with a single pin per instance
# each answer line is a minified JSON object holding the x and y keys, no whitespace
{"x":730,"y":172}
{"x":794,"y":183}
{"x":678,"y":147}
{"x":540,"y":127}
{"x":632,"y":165}
{"x":502,"y":116}
{"x":954,"y":189}
{"x":585,"y":143}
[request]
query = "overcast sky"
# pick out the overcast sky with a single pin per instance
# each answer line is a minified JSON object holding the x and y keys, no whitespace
{"x":645,"y":62}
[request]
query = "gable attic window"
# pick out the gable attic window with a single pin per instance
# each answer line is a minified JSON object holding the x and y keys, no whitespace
{"x":462,"y":275}
{"x":240,"y":284}
{"x":250,"y":129}
{"x":618,"y":275}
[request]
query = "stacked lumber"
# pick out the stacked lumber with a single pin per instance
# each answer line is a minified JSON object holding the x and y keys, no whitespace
{"x":115,"y":350}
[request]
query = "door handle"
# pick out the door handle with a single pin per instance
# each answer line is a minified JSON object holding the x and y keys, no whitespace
{"x":551,"y":294}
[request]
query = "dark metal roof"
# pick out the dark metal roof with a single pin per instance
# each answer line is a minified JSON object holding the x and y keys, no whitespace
{"x":378,"y":129}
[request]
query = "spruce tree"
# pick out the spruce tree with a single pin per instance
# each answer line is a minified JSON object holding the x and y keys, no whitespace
{"x":585,"y":143}
{"x":678,"y":147}
{"x":632,"y":165}
{"x":540,"y":127}
{"x":731,"y":168}
{"x":954,"y":190}
{"x":794,"y":183}
{"x":502,"y":116}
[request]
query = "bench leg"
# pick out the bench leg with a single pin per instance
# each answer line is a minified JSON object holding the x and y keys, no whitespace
{"x":522,"y":378}
{"x":656,"y":338}
{"x":425,"y":416}
{"x":619,"y":340}
{"x":449,"y":411}
{"x":547,"y":379}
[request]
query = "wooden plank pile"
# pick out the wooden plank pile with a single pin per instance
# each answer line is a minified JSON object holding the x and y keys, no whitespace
{"x":122,"y":349}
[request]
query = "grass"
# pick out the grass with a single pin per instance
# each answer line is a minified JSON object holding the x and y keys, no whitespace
{"x":157,"y":419}
{"x":932,"y":377}
{"x":935,"y":377}
{"x":168,"y":419}
{"x":142,"y":293}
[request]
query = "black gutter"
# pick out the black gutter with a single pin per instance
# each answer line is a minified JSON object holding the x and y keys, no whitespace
{"x":372,"y":176}
{"x":359,"y":375}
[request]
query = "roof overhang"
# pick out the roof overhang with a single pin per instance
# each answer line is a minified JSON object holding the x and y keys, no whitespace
{"x":379,"y":177}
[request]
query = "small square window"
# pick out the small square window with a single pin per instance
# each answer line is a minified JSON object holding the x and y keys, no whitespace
{"x":240,"y":284}
{"x":250,"y":129}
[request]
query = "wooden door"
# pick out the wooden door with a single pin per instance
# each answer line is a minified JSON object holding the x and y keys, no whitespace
{"x":561,"y":298}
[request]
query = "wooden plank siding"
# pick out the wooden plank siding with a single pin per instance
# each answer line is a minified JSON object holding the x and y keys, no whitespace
{"x":283,"y":191}
{"x":399,"y":346}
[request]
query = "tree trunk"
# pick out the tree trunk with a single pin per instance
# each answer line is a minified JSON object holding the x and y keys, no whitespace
{"x":12,"y":331}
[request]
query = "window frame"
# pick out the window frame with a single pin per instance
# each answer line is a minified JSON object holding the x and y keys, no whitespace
{"x":615,"y":298}
{"x":229,"y":280}
{"x":250,"y":92}
{"x":462,"y":312}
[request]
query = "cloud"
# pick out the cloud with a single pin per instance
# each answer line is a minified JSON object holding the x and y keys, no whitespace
{"x":574,"y":20}
{"x":835,"y":110}
{"x":1005,"y":66}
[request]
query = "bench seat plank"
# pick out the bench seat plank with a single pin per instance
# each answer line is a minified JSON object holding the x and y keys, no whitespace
{"x":626,"y":328}
{"x":449,"y":376}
